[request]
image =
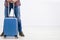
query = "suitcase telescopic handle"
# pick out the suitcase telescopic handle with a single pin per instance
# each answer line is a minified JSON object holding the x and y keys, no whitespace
{"x":9,"y":7}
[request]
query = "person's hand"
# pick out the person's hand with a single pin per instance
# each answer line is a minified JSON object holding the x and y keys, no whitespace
{"x":14,"y":1}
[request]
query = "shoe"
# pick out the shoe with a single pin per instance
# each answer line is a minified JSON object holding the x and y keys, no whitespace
{"x":21,"y":34}
{"x":2,"y":34}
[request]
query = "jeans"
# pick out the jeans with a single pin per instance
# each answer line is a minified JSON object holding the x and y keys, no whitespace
{"x":17,"y":14}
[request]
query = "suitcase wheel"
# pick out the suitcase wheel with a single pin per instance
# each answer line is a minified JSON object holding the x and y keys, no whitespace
{"x":16,"y":36}
{"x":4,"y":36}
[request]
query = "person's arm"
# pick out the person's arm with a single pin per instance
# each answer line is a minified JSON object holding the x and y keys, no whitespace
{"x":14,"y":1}
{"x":9,"y":1}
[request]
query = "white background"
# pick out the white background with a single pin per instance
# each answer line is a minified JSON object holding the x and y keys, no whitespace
{"x":38,"y":14}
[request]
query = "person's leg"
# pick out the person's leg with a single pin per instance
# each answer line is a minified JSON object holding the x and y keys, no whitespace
{"x":6,"y":11}
{"x":17,"y":15}
{"x":6,"y":15}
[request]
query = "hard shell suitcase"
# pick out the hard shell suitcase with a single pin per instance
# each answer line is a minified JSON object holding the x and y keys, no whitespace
{"x":10,"y":27}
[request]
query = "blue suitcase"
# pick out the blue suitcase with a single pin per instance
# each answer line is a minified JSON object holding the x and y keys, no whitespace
{"x":10,"y":26}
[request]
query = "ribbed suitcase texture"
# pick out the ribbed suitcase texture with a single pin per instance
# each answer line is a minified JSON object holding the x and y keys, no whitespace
{"x":10,"y":26}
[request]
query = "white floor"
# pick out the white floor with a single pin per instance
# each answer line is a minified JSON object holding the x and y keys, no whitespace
{"x":39,"y":33}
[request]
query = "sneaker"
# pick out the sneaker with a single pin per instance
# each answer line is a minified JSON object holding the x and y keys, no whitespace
{"x":2,"y":34}
{"x":21,"y":34}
